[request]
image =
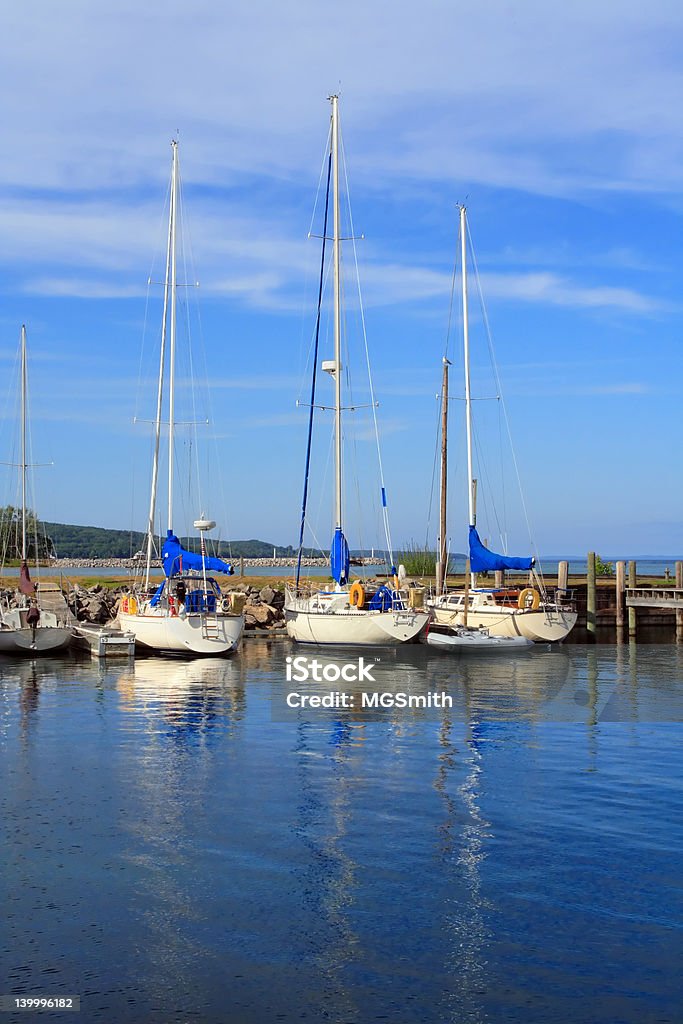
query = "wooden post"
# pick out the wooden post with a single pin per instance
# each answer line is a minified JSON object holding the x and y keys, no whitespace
{"x":241,"y":565}
{"x":632,"y":582}
{"x":679,"y":611}
{"x":621,"y":597}
{"x":591,"y":596}
{"x":498,"y":578}
{"x":562,"y":575}
{"x":466,"y":601}
{"x":620,"y":600}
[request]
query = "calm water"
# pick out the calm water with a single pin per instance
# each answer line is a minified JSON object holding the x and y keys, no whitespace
{"x":179,"y":847}
{"x":647,"y":565}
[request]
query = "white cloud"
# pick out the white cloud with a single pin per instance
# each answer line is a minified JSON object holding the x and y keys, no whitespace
{"x":529,"y":96}
{"x":566,"y":101}
{"x":555,"y":290}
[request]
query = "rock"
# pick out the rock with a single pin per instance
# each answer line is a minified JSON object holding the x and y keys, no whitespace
{"x":97,"y":610}
{"x":262,"y":614}
{"x":267,"y":595}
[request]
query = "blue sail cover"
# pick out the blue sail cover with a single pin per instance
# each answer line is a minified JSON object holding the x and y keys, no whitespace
{"x":339,"y":557}
{"x":483,"y":560}
{"x":175,"y":558}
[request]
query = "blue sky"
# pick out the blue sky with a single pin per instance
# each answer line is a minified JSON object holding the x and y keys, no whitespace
{"x":560,"y":129}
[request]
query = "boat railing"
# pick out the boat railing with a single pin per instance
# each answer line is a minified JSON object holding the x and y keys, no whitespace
{"x":563,"y":598}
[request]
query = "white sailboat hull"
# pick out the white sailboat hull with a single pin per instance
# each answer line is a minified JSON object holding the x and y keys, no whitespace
{"x":189,"y":634}
{"x":27,"y":641}
{"x":477,"y":641}
{"x":355,"y":628}
{"x":52,"y":634}
{"x":542,"y":625}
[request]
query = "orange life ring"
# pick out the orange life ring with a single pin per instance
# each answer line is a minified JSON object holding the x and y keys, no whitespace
{"x":529,"y":599}
{"x":357,"y":595}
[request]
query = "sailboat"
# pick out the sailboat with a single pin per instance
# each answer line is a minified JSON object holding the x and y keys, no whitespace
{"x":345,"y":614}
{"x":186,"y":613}
{"x":32,"y":627}
{"x":528,"y":611}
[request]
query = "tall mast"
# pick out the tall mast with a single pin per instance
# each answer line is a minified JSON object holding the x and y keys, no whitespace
{"x":160,"y":387}
{"x":468,"y":396}
{"x":442,"y":565}
{"x":23,"y":443}
{"x":171,"y":372}
{"x":337,"y":314}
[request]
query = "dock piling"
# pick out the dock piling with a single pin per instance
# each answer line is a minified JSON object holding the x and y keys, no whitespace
{"x":620,"y":597}
{"x":679,"y":611}
{"x":632,"y":582}
{"x":562,"y":575}
{"x":591,"y":596}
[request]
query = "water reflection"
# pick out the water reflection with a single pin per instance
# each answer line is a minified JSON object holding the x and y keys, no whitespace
{"x":330,"y":880}
{"x":180,"y":719}
{"x":501,"y":687}
{"x":191,"y":698}
{"x":178,"y":851}
{"x":464,"y":833}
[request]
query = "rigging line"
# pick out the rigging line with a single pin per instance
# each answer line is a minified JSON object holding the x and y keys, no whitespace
{"x":434,"y":465}
{"x":451,"y":303}
{"x":145,"y":324}
{"x":316,"y":542}
{"x":385,"y":514}
{"x":483,"y":493}
{"x":187,"y":254}
{"x":31,"y":483}
{"x":326,"y":159}
{"x":185,"y":245}
{"x":12,"y":406}
{"x":304,"y":302}
{"x":500,"y":394}
{"x":502,"y":471}
{"x":483,"y":468}
{"x":304,"y":500}
{"x":328,"y":271}
{"x":351,"y":440}
{"x":218,"y":479}
{"x":323,"y":490}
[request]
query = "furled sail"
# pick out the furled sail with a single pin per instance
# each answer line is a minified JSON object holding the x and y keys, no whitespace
{"x":483,"y":560}
{"x":175,"y":558}
{"x":26,"y":584}
{"x":339,"y":557}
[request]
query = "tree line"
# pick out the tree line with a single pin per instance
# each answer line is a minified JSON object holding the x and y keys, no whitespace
{"x":48,"y":540}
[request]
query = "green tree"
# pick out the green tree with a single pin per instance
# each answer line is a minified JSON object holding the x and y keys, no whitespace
{"x":38,"y":544}
{"x":603,"y":568}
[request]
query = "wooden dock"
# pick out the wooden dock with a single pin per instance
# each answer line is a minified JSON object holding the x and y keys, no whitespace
{"x":632,"y":606}
{"x":653,"y":597}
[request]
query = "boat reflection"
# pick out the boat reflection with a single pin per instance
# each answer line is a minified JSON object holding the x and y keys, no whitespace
{"x":190,"y":697}
{"x":329,"y":882}
{"x":519,"y":688}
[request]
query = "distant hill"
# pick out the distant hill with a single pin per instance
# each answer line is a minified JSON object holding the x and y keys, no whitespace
{"x":96,"y":542}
